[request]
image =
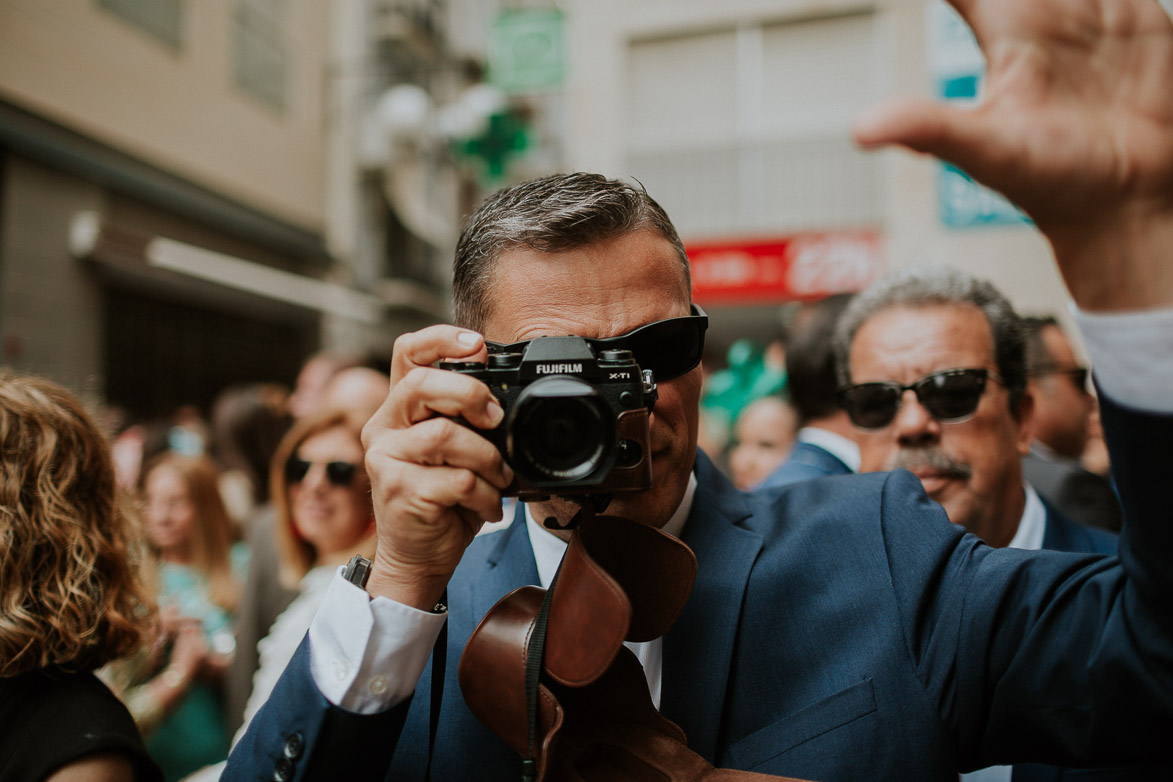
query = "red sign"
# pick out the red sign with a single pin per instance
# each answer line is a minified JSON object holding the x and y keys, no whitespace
{"x":797,"y":267}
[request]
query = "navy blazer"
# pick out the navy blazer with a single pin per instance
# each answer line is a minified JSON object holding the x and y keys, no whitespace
{"x":1081,"y":495}
{"x":840,"y":629}
{"x":805,"y":461}
{"x":1064,"y":534}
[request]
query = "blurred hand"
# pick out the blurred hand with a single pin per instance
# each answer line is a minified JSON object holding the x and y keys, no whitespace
{"x":434,"y":482}
{"x":189,"y":650}
{"x":1073,"y":126}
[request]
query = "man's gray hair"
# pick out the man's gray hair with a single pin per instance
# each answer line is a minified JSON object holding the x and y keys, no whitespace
{"x":553,"y":214}
{"x":917,"y":287}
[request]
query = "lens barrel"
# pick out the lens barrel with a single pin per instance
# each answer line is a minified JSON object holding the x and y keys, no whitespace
{"x":560,"y":430}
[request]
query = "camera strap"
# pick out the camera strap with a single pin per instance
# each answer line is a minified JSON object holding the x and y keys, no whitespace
{"x":598,"y":504}
{"x":534,"y":655}
{"x":439,"y":664}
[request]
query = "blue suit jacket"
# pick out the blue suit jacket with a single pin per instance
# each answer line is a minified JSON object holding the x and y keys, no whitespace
{"x":806,"y":461}
{"x":1064,"y":534}
{"x":841,"y":629}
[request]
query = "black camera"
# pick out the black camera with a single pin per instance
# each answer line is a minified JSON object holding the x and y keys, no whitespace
{"x":575,"y":422}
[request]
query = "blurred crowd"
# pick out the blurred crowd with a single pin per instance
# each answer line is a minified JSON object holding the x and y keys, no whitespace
{"x":226,"y":531}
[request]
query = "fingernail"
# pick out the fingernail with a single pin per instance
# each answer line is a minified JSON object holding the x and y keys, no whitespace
{"x":468,"y":338}
{"x":495,"y":412}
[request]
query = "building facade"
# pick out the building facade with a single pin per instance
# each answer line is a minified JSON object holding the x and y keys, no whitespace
{"x":180,"y":208}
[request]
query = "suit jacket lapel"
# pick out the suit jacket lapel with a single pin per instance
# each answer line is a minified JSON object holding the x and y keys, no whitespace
{"x":698,"y":650}
{"x":507,"y":565}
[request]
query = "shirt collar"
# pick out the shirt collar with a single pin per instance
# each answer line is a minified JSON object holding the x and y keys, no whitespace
{"x":549,"y":548}
{"x":838,"y":445}
{"x":1032,"y":525}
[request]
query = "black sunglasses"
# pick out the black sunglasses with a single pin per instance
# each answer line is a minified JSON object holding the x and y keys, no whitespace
{"x":337,"y":473}
{"x":668,"y":347}
{"x":950,"y":396}
{"x":1078,"y":375}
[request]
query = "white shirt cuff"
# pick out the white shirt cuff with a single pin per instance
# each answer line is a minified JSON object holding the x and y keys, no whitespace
{"x":1132,"y":355}
{"x":366,"y":655}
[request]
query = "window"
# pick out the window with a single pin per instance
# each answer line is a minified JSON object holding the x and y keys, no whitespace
{"x":260,"y":55}
{"x":746,"y":130}
{"x":161,"y":18}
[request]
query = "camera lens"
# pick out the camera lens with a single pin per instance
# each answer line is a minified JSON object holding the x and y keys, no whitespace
{"x":561,"y":431}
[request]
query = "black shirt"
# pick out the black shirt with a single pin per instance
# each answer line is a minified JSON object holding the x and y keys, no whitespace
{"x":49,"y":719}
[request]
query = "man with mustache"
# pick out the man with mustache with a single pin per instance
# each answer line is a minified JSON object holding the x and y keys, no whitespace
{"x":933,"y":369}
{"x":934,"y":375}
{"x":1064,"y":410}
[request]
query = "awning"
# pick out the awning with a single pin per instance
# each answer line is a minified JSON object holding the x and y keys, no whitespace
{"x":93,"y":238}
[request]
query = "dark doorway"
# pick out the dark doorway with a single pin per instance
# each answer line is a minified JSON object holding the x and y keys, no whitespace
{"x":161,"y":354}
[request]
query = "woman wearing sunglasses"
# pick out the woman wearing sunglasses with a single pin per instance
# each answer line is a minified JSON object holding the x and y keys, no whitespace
{"x":324,"y":516}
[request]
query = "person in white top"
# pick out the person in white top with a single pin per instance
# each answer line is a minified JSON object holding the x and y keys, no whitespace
{"x":322,"y":498}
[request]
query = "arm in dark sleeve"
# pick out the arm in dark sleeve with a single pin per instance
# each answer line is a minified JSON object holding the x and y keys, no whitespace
{"x":299,"y":735}
{"x":1047,"y":656}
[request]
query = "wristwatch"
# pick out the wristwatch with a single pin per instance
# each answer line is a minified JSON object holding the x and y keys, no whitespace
{"x":358,"y":570}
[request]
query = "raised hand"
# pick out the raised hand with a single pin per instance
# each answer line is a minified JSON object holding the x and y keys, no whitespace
{"x":434,"y":482}
{"x":1075,"y":125}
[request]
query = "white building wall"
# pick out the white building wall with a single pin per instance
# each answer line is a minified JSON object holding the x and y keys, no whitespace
{"x":737,"y":116}
{"x":83,"y":67}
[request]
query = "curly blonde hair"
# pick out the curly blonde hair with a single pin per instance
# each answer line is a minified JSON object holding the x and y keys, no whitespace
{"x":70,"y":544}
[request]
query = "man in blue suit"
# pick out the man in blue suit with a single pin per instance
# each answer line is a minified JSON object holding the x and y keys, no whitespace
{"x":956,"y":342}
{"x":843,"y":629}
{"x":826,"y":440}
{"x":1064,"y":408}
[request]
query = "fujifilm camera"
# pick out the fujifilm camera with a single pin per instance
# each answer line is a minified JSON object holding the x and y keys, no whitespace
{"x":576,"y":423}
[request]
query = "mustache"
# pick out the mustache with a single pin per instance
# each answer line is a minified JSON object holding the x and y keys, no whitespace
{"x":914,"y":459}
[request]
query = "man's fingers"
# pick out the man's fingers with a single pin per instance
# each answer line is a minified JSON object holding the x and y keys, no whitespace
{"x":426,"y":392}
{"x":425,"y":347}
{"x":434,"y":490}
{"x":442,"y":442}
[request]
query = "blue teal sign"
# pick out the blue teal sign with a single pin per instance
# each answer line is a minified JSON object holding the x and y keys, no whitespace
{"x":527,"y":50}
{"x":957,"y":67}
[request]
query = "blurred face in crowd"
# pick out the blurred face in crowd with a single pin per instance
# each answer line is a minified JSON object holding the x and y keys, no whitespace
{"x":764,"y":434}
{"x":169,"y":513}
{"x":972,"y":467}
{"x":1063,"y":405}
{"x":331,"y":502}
{"x":603,"y":290}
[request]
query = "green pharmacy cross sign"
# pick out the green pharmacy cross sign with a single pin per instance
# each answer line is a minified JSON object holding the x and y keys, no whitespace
{"x":504,"y":138}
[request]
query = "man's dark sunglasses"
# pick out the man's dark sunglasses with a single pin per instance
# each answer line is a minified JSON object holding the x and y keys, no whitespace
{"x":950,"y":396}
{"x":337,"y":473}
{"x":1078,"y":375}
{"x":667,"y":347}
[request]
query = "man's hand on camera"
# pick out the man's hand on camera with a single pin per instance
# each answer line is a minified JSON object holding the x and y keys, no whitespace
{"x":433,"y":481}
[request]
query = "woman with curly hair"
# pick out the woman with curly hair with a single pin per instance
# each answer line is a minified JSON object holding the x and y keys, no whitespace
{"x":70,"y":599}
